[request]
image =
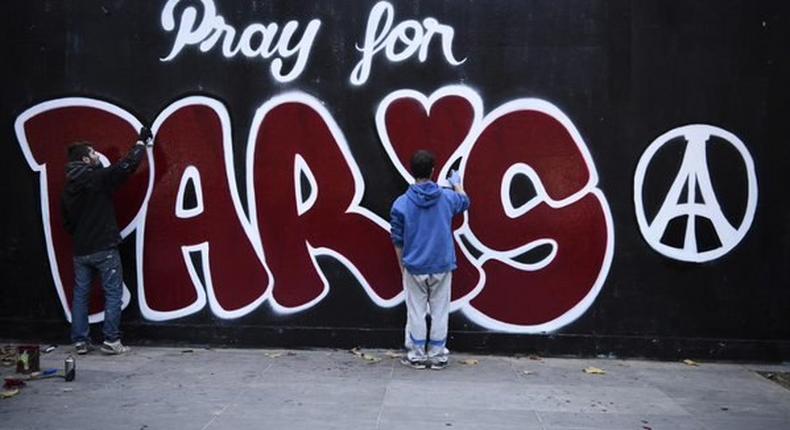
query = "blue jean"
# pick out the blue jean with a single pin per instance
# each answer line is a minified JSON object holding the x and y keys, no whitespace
{"x":107,"y":264}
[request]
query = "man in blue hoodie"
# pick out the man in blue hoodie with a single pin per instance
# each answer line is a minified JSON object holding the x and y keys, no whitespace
{"x":421,"y":229}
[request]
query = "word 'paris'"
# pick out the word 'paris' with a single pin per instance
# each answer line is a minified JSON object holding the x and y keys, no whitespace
{"x":266,"y":41}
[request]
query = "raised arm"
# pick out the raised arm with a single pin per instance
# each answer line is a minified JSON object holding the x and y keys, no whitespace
{"x":117,"y":173}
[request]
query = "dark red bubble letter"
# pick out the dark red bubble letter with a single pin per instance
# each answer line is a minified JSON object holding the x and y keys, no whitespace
{"x":570,"y":212}
{"x":193,"y":152}
{"x":295,"y":142}
{"x":44,"y":132}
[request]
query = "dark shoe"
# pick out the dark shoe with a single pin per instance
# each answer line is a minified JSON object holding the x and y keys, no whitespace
{"x":438,"y":365}
{"x":82,"y":348}
{"x":414,"y":364}
{"x":114,"y":348}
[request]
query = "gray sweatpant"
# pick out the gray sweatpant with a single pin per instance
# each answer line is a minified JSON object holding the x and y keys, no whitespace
{"x":427,"y":294}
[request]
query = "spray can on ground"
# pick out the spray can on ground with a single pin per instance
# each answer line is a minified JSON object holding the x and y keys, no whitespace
{"x":70,"y":368}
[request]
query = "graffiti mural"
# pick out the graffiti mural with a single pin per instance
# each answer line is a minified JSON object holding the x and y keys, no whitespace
{"x":526,"y":137}
{"x":284,"y":131}
{"x":43,"y":132}
{"x":245,"y":261}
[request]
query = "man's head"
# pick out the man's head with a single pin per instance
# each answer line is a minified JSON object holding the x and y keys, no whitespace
{"x":422,"y":163}
{"x":83,"y":151}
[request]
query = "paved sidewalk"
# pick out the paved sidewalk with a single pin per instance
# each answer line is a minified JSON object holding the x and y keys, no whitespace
{"x":178,"y":388}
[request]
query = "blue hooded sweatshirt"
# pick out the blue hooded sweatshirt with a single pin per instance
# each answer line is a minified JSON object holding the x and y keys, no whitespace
{"x":421,"y":223}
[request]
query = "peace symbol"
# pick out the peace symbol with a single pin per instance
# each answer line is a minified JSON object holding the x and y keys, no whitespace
{"x":693,"y":177}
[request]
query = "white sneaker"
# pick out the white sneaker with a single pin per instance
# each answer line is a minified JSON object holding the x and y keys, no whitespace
{"x":114,"y":348}
{"x":82,"y":348}
{"x":414,"y":364}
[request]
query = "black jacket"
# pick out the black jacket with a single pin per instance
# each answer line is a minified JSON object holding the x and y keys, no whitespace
{"x":88,"y":211}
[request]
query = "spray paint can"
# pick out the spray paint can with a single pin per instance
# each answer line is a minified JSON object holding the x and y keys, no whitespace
{"x":70,"y":370}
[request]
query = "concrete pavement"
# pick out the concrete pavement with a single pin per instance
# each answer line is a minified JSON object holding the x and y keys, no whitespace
{"x":181,"y":388}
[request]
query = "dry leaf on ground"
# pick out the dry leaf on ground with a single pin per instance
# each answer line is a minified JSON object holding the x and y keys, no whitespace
{"x":370,"y":358}
{"x":273,"y":354}
{"x":470,"y":362}
{"x":9,"y":393}
{"x":688,"y":362}
{"x":594,"y":371}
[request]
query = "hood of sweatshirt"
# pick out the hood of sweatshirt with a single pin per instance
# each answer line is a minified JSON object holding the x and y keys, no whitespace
{"x":77,"y":174}
{"x":425,"y":194}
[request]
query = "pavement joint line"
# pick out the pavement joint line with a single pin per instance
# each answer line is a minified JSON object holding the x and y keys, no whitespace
{"x":214,"y":418}
{"x":232,"y":402}
{"x":384,"y":398}
{"x":540,"y":420}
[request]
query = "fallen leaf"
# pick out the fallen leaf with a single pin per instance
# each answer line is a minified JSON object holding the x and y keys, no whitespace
{"x":528,"y":372}
{"x":594,"y":371}
{"x":392,"y":354}
{"x":9,"y":393}
{"x":690,"y":362}
{"x":273,"y":354}
{"x":470,"y":362}
{"x":535,"y":358}
{"x":370,"y":358}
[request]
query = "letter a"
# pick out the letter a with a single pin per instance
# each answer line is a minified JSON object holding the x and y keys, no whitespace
{"x":208,"y":245}
{"x":292,"y":138}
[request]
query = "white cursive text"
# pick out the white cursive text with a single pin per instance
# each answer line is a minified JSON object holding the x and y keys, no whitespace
{"x":257,"y":40}
{"x":413,"y":35}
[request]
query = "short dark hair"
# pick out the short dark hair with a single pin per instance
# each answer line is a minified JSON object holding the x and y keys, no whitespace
{"x":422,"y":163}
{"x":78,"y":150}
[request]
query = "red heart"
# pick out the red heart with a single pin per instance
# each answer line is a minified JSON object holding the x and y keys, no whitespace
{"x":441,"y":129}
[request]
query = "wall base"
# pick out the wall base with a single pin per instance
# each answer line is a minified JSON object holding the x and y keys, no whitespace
{"x":577,"y":345}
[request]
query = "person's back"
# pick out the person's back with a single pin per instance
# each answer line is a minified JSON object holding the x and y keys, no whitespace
{"x":89,"y":216}
{"x":88,"y":210}
{"x":426,"y":212}
{"x":421,"y":230}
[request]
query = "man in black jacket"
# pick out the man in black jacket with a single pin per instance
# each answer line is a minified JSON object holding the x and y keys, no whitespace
{"x":89,"y":216}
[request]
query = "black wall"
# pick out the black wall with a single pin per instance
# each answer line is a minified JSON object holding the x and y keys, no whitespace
{"x":625,"y":72}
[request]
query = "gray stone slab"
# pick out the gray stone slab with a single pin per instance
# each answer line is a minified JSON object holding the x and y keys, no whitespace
{"x":567,"y":398}
{"x":742,"y":408}
{"x":428,"y":416}
{"x":291,"y":421}
{"x":446,"y":393}
{"x":462,"y":367}
{"x":168,"y":388}
{"x":330,"y":365}
{"x":301,"y":408}
{"x":615,"y":421}
{"x":336,"y":393}
{"x":709,"y":378}
{"x":742,"y":423}
{"x":552,"y":371}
